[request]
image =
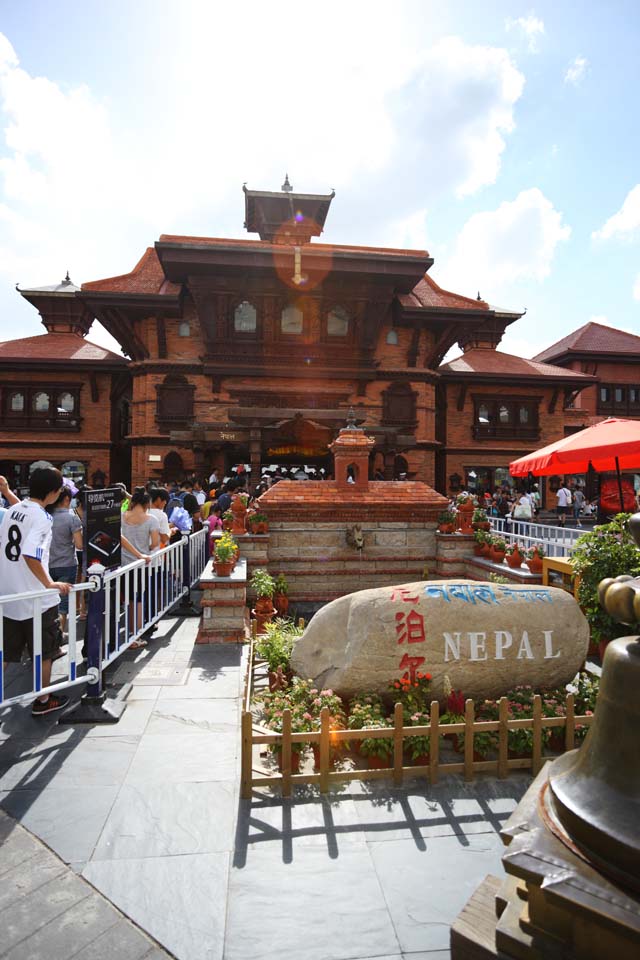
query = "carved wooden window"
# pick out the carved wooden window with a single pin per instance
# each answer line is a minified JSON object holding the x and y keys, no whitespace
{"x":291,"y":321}
{"x":40,"y":402}
{"x":615,"y":400}
{"x":399,"y":404}
{"x":175,"y":399}
{"x":508,"y":419}
{"x":245,"y":318}
{"x":16,"y":402}
{"x":54,"y":406}
{"x":338,"y":322}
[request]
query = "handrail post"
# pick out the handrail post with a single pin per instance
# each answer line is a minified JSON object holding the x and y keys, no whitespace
{"x":94,"y":707}
{"x":186,"y":607}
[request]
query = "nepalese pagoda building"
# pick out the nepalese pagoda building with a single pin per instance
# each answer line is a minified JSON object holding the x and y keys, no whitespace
{"x":253,"y":350}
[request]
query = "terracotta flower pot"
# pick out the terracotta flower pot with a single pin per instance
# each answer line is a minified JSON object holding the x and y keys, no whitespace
{"x":446,"y":528}
{"x":497,"y":555}
{"x":265,"y":606}
{"x":477,"y":549}
{"x":535,"y":564}
{"x":281,"y":603}
{"x":515,"y":559}
{"x":223,"y":568}
{"x":239,"y":510}
{"x":295,"y":760}
{"x":485,"y":550}
{"x":378,"y":763}
{"x":422,"y":760}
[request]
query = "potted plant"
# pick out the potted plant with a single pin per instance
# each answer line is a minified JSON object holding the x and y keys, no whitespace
{"x":275,"y":646}
{"x":465,"y":504}
{"x":239,"y":505}
{"x":377,"y":750}
{"x":479,"y":538}
{"x":534,"y":558}
{"x":295,"y":698}
{"x":227,"y":520}
{"x":446,"y":522}
{"x":365,"y":710}
{"x":606,"y":551}
{"x":224,"y":556}
{"x":263,"y":585}
{"x":498,"y":549}
{"x":259,"y":523}
{"x":479,"y":520}
{"x":585,"y":689}
{"x":454,"y":712}
{"x":280,"y":595}
{"x":514,"y":557}
{"x":418,"y":747}
{"x":318,"y":700}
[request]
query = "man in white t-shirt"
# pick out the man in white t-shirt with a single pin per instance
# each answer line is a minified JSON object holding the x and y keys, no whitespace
{"x":564,"y":502}
{"x":199,"y":493}
{"x":159,"y":500}
{"x":25,"y":538}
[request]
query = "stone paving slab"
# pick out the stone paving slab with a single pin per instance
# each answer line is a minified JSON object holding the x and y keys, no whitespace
{"x":148,"y":812}
{"x":47,"y":911}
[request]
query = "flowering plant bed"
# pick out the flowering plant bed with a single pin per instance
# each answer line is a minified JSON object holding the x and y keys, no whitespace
{"x":484,"y":735}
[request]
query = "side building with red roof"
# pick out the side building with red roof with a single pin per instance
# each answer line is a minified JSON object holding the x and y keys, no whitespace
{"x":64,"y":401}
{"x":613,"y":356}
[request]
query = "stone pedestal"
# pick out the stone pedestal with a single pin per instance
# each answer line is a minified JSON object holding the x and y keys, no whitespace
{"x":224,"y":606}
{"x":553,"y":904}
{"x":452,"y":552}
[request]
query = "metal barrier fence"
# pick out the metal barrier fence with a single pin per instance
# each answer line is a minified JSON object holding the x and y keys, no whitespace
{"x":122,"y":605}
{"x":557,"y":541}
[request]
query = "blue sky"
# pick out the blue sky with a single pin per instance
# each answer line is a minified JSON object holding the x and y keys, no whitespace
{"x":503,"y":137}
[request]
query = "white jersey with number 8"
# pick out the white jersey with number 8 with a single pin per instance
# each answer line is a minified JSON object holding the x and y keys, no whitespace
{"x":25,"y":532}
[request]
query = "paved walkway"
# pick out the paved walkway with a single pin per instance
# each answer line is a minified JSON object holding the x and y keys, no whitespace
{"x":147,"y":811}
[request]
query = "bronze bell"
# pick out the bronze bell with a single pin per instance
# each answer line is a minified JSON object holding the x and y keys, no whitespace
{"x":594,"y":792}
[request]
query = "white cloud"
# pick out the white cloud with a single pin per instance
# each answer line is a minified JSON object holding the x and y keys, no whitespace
{"x":576,"y":71}
{"x":461,"y":106}
{"x":497,"y":248}
{"x":531,"y":26}
{"x":624,"y":224}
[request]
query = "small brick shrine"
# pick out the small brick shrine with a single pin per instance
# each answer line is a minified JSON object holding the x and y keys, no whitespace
{"x":313,"y":538}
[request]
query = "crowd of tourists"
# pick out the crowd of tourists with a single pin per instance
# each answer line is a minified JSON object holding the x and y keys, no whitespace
{"x":511,"y":504}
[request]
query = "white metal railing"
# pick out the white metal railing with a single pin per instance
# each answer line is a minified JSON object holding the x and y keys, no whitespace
{"x":37,"y":596}
{"x":197,"y":555}
{"x":557,"y":541}
{"x":135,"y":597}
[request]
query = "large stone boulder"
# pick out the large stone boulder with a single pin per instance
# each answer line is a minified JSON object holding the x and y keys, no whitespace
{"x":486,"y":637}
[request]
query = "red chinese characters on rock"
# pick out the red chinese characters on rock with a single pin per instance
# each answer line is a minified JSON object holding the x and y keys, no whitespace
{"x":409,"y":629}
{"x":412,"y":663}
{"x":403,"y":593}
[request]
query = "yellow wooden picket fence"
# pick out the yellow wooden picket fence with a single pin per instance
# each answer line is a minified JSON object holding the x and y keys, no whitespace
{"x":256,"y":738}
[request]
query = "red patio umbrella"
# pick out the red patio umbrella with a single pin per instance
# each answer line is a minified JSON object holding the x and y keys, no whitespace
{"x":613,"y":444}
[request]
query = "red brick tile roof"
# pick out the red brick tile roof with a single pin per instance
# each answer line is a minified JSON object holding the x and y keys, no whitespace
{"x":387,"y":494}
{"x":483,"y":361}
{"x":262,"y":244}
{"x":146,"y":277}
{"x":593,"y":338}
{"x":56,"y":346}
{"x":427,"y":293}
